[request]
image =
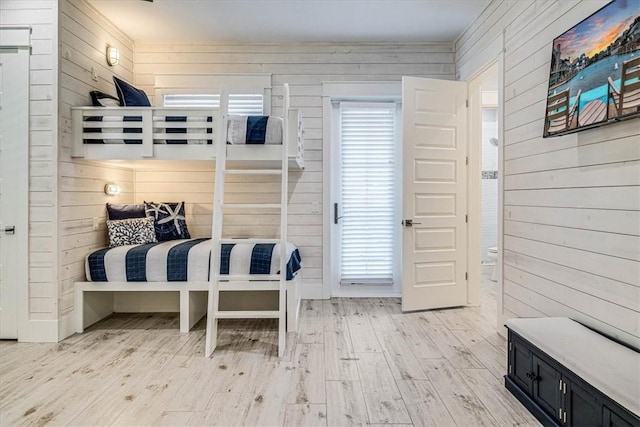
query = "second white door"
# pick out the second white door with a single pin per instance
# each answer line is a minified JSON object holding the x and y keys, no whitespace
{"x":434,"y":254}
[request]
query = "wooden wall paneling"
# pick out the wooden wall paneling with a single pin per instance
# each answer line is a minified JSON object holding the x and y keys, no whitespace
{"x":84,"y":36}
{"x":305,"y":66}
{"x":572,"y":203}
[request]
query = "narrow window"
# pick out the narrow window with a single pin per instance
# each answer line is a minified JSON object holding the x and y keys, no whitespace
{"x":239,"y":104}
{"x":368,"y":193}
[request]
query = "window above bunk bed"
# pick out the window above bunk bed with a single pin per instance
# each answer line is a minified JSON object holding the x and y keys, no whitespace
{"x":249,"y":94}
{"x":239,"y":104}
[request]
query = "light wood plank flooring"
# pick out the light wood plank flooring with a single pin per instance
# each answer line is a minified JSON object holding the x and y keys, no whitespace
{"x":354,"y":362}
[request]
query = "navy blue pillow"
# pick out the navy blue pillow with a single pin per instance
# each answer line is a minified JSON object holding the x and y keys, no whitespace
{"x":129,"y":95}
{"x":115,"y":212}
{"x":101,"y":99}
{"x":169,"y":220}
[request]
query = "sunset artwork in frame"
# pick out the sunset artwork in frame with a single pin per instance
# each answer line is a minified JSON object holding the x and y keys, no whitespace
{"x":595,"y":71}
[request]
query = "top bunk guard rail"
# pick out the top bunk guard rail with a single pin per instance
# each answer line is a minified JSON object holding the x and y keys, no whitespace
{"x":138,"y":133}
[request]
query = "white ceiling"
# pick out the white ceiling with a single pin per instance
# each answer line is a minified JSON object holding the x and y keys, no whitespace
{"x":291,"y":20}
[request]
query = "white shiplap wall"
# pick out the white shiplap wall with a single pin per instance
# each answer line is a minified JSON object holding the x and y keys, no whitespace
{"x":572,"y":203}
{"x":84,"y":36}
{"x":304,"y":66}
{"x":42,"y":17}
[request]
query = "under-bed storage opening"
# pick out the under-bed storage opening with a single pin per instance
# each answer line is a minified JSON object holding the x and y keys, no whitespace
{"x":95,"y":301}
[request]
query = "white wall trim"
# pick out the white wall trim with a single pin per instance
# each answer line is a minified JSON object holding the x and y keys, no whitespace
{"x":501,"y":165}
{"x":55,"y":129}
{"x":493,"y":53}
{"x":66,"y":325}
{"x":311,"y":291}
{"x":18,"y":41}
{"x":39,"y":331}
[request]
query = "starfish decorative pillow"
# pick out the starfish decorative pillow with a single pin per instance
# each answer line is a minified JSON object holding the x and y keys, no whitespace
{"x":169,"y":220}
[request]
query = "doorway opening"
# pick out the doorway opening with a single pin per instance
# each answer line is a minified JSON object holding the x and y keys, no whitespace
{"x":489,"y":169}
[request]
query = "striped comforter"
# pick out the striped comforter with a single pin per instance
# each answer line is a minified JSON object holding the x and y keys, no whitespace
{"x":185,"y":260}
{"x":240,"y":130}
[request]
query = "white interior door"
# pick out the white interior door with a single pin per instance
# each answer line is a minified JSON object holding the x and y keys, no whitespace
{"x":14,"y":185}
{"x":434,"y":255}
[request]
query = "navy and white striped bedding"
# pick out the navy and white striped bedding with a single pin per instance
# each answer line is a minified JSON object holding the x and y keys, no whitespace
{"x":185,"y":260}
{"x":254,"y":130}
{"x":178,"y":131}
{"x":240,"y":130}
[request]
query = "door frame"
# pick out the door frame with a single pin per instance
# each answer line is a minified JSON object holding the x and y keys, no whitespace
{"x":335,"y":166}
{"x":17,"y":41}
{"x":492,"y":54}
{"x":335,"y":92}
{"x":485,"y":58}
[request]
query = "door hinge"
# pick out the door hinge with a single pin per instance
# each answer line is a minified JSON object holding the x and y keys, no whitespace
{"x":466,"y":218}
{"x":510,"y":369}
{"x":466,"y":160}
{"x":466,"y":103}
{"x":466,"y":276}
{"x":510,"y":346}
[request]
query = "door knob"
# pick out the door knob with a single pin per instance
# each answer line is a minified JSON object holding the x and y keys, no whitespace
{"x":10,"y":229}
{"x":409,"y":222}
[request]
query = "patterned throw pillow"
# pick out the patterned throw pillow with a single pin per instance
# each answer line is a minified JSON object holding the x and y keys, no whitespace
{"x":169,"y":219}
{"x":133,"y":231}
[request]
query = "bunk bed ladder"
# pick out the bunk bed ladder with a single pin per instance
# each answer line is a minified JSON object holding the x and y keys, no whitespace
{"x":213,"y":311}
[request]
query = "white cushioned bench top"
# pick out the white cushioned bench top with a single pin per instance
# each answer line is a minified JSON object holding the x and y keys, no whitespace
{"x":608,"y":366}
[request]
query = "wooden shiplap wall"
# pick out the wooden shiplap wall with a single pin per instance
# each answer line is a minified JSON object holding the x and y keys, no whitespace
{"x":304,"y":66}
{"x":572,"y":203}
{"x":84,"y":36}
{"x":41,"y":16}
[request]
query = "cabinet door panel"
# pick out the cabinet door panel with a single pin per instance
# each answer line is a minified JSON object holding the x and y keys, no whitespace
{"x":611,"y":419}
{"x":546,"y":387}
{"x":521,"y":365}
{"x":583,"y":409}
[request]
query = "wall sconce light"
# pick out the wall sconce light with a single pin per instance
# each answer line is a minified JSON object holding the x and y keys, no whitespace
{"x":112,"y":189}
{"x":113,"y":56}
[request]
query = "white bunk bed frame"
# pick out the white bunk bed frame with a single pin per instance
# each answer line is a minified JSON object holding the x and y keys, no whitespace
{"x":95,"y":300}
{"x":154,"y":128}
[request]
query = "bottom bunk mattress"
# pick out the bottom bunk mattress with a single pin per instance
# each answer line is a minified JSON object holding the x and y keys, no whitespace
{"x":186,"y":260}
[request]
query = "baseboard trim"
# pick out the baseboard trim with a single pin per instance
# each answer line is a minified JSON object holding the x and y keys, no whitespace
{"x":67,"y":325}
{"x":358,"y":294}
{"x":311,"y":291}
{"x":39,"y":331}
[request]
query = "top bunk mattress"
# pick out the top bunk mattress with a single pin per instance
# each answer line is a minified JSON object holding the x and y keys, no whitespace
{"x":186,"y":260}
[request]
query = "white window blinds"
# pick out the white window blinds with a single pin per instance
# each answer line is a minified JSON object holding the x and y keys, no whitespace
{"x":368,"y":135}
{"x":239,"y":104}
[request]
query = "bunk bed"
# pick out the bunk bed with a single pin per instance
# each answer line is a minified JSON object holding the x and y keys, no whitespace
{"x":202,"y":267}
{"x":158,"y":133}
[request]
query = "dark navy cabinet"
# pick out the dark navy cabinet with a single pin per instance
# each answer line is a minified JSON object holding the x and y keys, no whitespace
{"x":554,"y":394}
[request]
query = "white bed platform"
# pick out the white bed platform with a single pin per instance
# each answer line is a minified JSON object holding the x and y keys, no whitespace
{"x":155,"y":131}
{"x":95,"y":300}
